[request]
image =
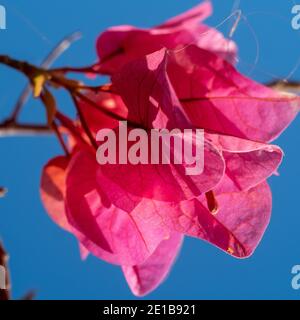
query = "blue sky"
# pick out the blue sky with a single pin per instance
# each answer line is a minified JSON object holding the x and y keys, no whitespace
{"x":45,"y":258}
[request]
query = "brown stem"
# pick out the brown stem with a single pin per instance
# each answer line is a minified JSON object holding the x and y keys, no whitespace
{"x":284,"y":85}
{"x":3,"y":192}
{"x":22,"y":66}
{"x":84,"y":123}
{"x":69,"y":125}
{"x":4,"y":294}
{"x":9,"y":128}
{"x":61,"y":47}
{"x":107,"y":88}
{"x":72,"y":86}
{"x":60,"y":139}
{"x":89,"y":69}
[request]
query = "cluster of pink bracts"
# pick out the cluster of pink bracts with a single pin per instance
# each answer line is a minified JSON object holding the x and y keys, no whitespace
{"x":180,"y":74}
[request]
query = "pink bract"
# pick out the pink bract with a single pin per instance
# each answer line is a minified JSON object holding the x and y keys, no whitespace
{"x":122,"y":44}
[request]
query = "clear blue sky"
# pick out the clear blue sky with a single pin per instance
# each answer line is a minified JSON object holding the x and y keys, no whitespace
{"x":45,"y":258}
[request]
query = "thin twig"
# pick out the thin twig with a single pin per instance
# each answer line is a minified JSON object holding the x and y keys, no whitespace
{"x":284,"y":85}
{"x":69,"y":125}
{"x":84,"y":123}
{"x":8,"y":129}
{"x":89,"y":69}
{"x":5,"y":294}
{"x":49,"y":60}
{"x":60,"y":139}
{"x":18,"y":65}
{"x":3,"y":192}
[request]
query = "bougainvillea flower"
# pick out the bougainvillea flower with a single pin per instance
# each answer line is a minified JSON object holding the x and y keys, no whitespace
{"x":119,"y":45}
{"x":136,"y":216}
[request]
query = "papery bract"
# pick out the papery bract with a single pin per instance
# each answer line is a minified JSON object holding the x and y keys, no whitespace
{"x":120,"y":45}
{"x":53,"y":194}
{"x":105,"y":229}
{"x":248,"y":163}
{"x":94,"y":112}
{"x":53,"y":189}
{"x":219,"y":99}
{"x":146,"y":277}
{"x":236,"y":228}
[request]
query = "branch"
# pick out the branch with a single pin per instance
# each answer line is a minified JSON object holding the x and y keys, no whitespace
{"x":21,"y":66}
{"x":89,"y":69}
{"x":4,"y":294}
{"x":283,"y":85}
{"x":3,"y":192}
{"x":49,"y":60}
{"x":10,"y":129}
